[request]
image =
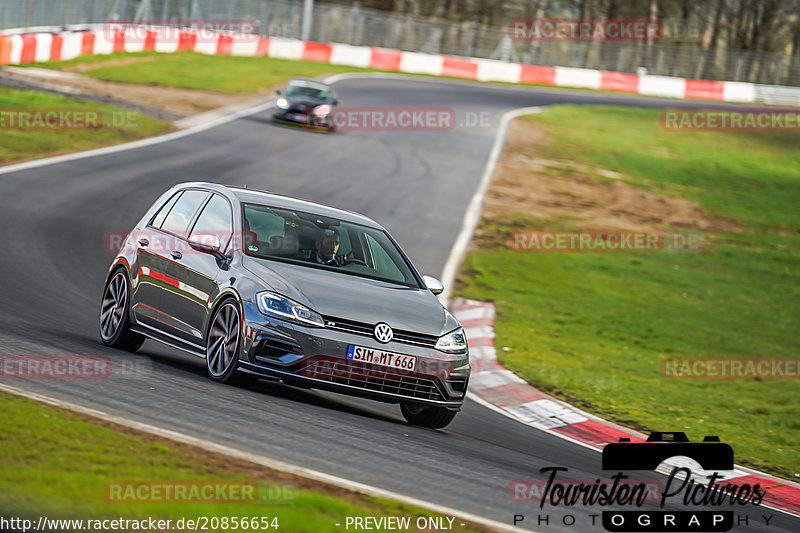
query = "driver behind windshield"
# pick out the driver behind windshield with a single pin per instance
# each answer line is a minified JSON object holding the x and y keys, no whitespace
{"x":326,"y":247}
{"x":310,"y":91}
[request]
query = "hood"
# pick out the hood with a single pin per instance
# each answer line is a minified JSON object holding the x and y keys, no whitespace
{"x":295,"y":102}
{"x":350,"y":297}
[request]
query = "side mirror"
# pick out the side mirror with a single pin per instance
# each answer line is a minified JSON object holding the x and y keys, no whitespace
{"x":207,"y":244}
{"x":278,"y":93}
{"x":335,"y":101}
{"x":433,"y":284}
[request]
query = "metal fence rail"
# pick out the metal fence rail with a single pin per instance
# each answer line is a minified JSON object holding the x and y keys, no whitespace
{"x":358,"y":26}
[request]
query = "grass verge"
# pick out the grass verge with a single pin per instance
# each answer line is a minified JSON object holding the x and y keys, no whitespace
{"x":190,"y":70}
{"x":593,"y":328}
{"x":59,"y":464}
{"x":202,"y":71}
{"x":92,"y":125}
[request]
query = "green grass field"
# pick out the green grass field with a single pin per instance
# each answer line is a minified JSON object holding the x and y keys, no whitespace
{"x":189,"y":70}
{"x":228,"y":74}
{"x":62,"y":466}
{"x":593,"y":328}
{"x":23,"y":143}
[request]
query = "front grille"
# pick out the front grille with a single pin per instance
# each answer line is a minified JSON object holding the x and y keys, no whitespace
{"x":361,"y":328}
{"x":355,"y":375}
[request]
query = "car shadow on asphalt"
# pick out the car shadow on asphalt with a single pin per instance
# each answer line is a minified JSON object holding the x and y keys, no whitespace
{"x":285,"y":124}
{"x":180,"y":362}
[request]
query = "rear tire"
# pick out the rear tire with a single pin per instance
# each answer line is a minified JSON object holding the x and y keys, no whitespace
{"x":115,"y":314}
{"x":224,"y":344}
{"x":427,"y":417}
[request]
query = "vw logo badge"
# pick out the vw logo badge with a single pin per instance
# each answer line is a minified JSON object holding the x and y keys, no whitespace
{"x":383,"y":332}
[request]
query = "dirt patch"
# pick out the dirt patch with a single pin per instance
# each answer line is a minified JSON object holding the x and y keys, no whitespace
{"x":86,"y":67}
{"x":588,"y":197}
{"x":182,"y":102}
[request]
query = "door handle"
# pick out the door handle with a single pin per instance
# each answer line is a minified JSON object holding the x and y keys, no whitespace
{"x":143,"y":242}
{"x":176,"y":255}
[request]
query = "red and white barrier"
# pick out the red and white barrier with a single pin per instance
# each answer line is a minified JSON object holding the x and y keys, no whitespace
{"x":351,"y":56}
{"x":489,"y":70}
{"x":421,"y":63}
{"x":71,"y":46}
{"x":583,"y":78}
{"x":662,"y":86}
{"x":39,"y":46}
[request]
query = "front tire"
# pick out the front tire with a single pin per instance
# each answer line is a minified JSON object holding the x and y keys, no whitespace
{"x":427,"y":417}
{"x":115,"y":323}
{"x":224,"y":344}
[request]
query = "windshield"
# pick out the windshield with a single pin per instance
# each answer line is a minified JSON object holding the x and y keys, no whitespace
{"x":308,"y":90}
{"x":315,"y":241}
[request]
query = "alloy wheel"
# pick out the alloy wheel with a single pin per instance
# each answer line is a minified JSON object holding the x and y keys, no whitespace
{"x":223,"y":340}
{"x":113,"y":307}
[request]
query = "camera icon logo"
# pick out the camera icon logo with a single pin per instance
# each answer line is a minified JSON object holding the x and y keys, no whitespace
{"x":711,"y":454}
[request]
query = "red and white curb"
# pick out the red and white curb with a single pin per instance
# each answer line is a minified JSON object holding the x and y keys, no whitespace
{"x":34,"y":45}
{"x":501,"y":389}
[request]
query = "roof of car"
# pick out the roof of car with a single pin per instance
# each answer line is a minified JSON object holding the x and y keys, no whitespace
{"x":256,"y":196}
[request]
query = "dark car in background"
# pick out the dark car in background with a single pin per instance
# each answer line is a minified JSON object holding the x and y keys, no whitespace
{"x":307,"y":102}
{"x":268,"y":286}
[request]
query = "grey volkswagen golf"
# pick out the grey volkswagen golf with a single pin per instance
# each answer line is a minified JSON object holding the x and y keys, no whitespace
{"x":268,"y":286}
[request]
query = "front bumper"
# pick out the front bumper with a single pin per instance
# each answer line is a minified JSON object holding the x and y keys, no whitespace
{"x":317,"y":358}
{"x":304,"y":118}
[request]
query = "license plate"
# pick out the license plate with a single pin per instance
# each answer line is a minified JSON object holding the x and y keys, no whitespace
{"x":379,"y":357}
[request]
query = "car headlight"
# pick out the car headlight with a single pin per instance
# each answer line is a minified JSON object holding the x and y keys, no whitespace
{"x":275,"y":305}
{"x":453,"y":342}
{"x":282,"y":103}
{"x":322,"y":110}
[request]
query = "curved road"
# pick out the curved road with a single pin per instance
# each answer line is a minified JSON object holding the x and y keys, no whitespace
{"x":417,"y":184}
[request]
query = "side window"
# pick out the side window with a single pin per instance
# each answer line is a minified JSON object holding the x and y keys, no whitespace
{"x":263,"y":223}
{"x":177,"y":221}
{"x":216,"y":220}
{"x":164,"y":211}
{"x":266,"y":232}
